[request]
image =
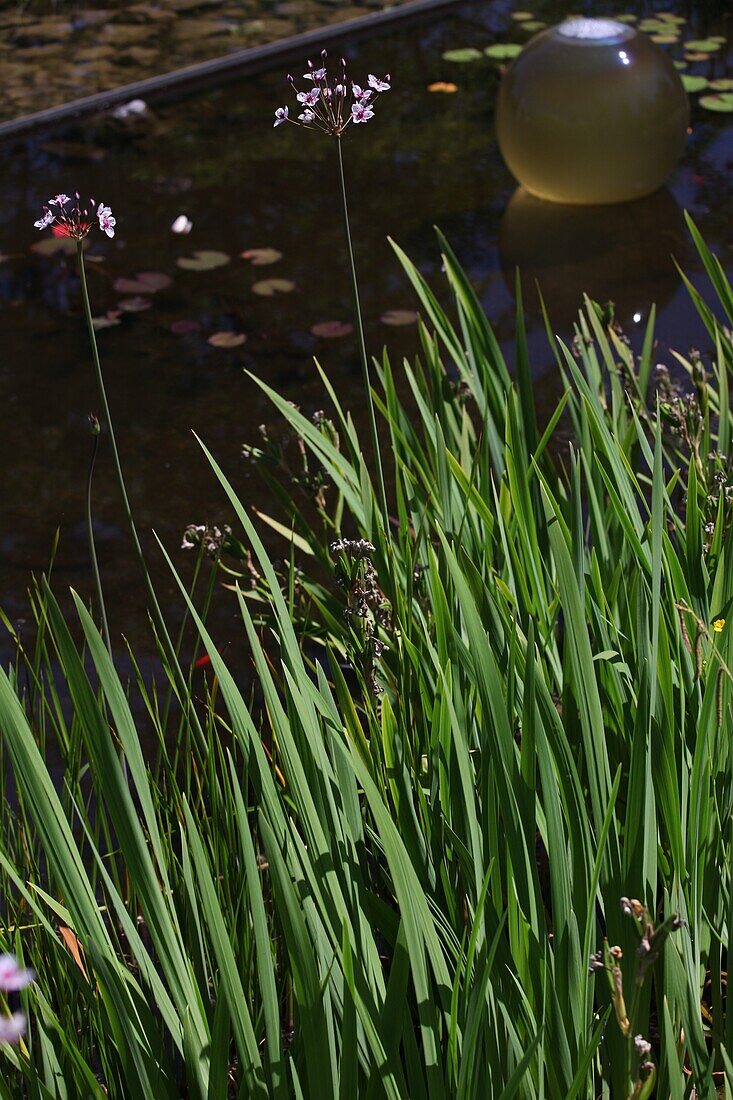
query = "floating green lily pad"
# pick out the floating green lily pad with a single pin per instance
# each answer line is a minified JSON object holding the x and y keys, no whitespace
{"x":533,"y":25}
{"x":697,"y":56}
{"x":694,"y":83}
{"x":522,"y":16}
{"x":627,"y":17}
{"x":680,"y":64}
{"x":670,"y":17}
{"x":203,"y":260}
{"x":650,"y":26}
{"x":723,"y":84}
{"x":468,"y":53}
{"x":503,"y":51}
{"x":704,"y":45}
{"x":721,"y":102}
{"x":665,"y":39}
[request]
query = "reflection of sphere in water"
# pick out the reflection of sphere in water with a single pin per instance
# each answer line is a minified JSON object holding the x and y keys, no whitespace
{"x":622,"y":253}
{"x":591,"y":111}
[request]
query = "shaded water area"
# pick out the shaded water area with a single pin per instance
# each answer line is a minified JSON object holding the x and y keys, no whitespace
{"x":426,"y":159}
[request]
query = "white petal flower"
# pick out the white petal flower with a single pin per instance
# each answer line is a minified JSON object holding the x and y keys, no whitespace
{"x":361,"y":112}
{"x":12,"y":1028}
{"x":182,"y":224}
{"x":307,"y":117}
{"x":45,"y":221}
{"x":281,"y":115}
{"x":377,"y":84}
{"x":59,"y":200}
{"x":12,"y":976}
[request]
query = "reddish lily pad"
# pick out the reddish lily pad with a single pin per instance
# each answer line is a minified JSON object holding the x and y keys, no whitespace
{"x":268,"y":288}
{"x":184,"y":327}
{"x":107,"y":320}
{"x":227,"y":339}
{"x":134,"y":305}
{"x":697,"y":56}
{"x":203,"y":260}
{"x":443,"y":86}
{"x":260,"y":257}
{"x":331,"y":330}
{"x":399,"y":317}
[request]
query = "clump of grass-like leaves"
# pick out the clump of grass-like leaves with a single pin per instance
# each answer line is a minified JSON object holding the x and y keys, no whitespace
{"x":487,"y":751}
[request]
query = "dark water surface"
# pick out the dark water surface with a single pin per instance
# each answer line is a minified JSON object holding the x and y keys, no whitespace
{"x":426,"y":159}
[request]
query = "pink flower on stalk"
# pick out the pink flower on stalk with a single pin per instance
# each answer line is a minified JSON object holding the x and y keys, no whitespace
{"x":332,"y":105}
{"x":12,"y":1028}
{"x":75,"y":222}
{"x":12,"y":976}
{"x":309,"y":99}
{"x":361,"y":112}
{"x":106,"y":222}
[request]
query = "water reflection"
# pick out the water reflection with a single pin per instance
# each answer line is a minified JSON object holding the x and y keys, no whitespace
{"x":624,"y":253}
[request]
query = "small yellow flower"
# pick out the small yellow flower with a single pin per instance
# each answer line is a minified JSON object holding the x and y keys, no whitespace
{"x":718,"y":626}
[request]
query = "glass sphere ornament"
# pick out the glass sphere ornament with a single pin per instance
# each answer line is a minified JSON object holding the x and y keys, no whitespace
{"x":591,"y":111}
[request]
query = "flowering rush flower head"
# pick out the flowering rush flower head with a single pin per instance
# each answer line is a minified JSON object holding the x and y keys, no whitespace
{"x":67,"y":220}
{"x":13,"y":977}
{"x":331,"y":104}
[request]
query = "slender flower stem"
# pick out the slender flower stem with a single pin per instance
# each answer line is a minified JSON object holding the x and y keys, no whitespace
{"x":155,"y":610}
{"x":90,"y":536}
{"x":362,"y":345}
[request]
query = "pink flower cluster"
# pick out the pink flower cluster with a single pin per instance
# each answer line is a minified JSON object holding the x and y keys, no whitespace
{"x":72,"y":221}
{"x":13,"y":978}
{"x":329,"y":105}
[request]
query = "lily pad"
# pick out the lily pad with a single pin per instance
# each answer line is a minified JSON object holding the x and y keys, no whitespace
{"x":331,"y":330}
{"x":533,"y":25}
{"x":134,"y":305}
{"x":665,"y":39}
{"x":503,"y":51}
{"x":107,"y":320}
{"x":443,"y":86}
{"x":703,"y":45}
{"x":694,"y":83}
{"x":185,"y":327}
{"x":721,"y":102}
{"x":521,"y":16}
{"x":260,"y":257}
{"x":268,"y":288}
{"x":724,"y":84}
{"x":670,"y":17}
{"x":203,"y":260}
{"x":627,"y":17}
{"x":49,"y":246}
{"x":399,"y":317}
{"x":148,"y":282}
{"x":697,"y":56}
{"x":468,"y":53}
{"x":227,"y":339}
{"x":680,"y":64}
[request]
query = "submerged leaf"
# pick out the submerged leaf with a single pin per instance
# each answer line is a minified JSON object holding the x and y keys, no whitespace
{"x":148,"y":282}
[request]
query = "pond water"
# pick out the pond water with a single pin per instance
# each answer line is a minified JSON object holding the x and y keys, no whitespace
{"x":428,"y":158}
